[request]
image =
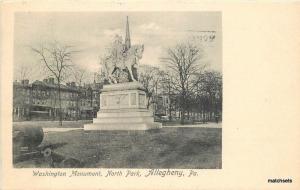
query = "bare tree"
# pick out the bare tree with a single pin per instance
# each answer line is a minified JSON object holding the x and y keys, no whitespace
{"x":79,"y":75}
{"x":183,"y":63}
{"x":56,"y":58}
{"x":23,"y":72}
{"x":210,"y":90}
{"x":149,"y":76}
{"x":166,"y":81}
{"x":101,"y":75}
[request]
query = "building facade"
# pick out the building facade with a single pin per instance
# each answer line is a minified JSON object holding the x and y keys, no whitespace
{"x":40,"y":100}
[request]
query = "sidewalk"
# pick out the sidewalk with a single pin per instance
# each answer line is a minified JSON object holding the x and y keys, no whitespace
{"x":202,"y":125}
{"x":56,"y":129}
{"x":53,"y":124}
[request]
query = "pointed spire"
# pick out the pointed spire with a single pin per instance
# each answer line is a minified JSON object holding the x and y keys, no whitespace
{"x":127,"y":38}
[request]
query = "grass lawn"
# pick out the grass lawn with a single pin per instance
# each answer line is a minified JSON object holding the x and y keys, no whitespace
{"x":164,"y":148}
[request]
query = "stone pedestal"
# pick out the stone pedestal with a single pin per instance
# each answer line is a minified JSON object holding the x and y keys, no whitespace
{"x":123,"y":107}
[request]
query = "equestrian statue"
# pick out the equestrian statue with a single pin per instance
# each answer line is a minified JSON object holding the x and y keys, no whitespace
{"x":121,"y":63}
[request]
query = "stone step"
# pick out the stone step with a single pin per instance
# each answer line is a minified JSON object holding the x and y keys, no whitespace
{"x":124,"y":114}
{"x":115,"y":119}
{"x":122,"y":126}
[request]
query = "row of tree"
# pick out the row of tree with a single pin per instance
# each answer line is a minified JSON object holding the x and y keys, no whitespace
{"x":190,"y":86}
{"x":185,"y":79}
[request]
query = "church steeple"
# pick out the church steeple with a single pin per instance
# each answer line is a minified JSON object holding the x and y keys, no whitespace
{"x":127,"y":37}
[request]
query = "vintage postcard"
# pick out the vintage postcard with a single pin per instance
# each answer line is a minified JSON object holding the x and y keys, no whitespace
{"x":140,"y":95}
{"x":134,"y":91}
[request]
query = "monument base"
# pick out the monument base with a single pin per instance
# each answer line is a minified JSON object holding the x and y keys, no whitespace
{"x":123,"y":107}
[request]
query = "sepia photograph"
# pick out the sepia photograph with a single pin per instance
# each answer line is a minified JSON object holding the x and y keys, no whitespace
{"x":117,"y":90}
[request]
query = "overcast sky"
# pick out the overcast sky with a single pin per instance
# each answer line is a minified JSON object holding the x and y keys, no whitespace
{"x":91,"y":32}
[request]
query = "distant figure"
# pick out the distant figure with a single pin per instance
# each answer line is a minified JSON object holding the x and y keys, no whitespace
{"x":217,"y":116}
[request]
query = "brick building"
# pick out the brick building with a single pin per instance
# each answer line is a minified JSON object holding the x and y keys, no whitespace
{"x":39,"y":100}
